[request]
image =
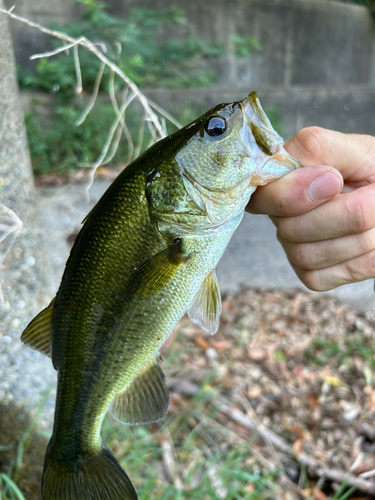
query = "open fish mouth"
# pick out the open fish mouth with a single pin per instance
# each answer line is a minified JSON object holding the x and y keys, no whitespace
{"x":259,"y":134}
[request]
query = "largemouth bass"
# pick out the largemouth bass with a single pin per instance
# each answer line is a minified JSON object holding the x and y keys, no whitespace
{"x":145,"y":255}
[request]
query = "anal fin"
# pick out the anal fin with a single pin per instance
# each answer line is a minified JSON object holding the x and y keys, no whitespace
{"x":146,"y":400}
{"x":205,"y":309}
{"x":37,"y":334}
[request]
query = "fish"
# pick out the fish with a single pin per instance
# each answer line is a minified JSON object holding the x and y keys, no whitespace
{"x":145,"y":255}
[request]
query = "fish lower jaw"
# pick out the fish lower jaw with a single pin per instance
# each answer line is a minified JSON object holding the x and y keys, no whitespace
{"x":275,"y":167}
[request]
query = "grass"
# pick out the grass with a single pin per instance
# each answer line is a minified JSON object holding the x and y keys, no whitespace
{"x":321,"y":350}
{"x":8,"y":481}
{"x":8,"y":489}
{"x":194,"y":453}
{"x":207,"y":463}
{"x":207,"y":471}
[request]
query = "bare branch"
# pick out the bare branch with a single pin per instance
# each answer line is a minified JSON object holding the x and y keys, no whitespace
{"x":164,"y":113}
{"x":94,"y":95}
{"x":92,"y":48}
{"x":156,"y":126}
{"x":10,"y":223}
{"x":78,"y":70}
{"x":316,"y":467}
{"x":116,"y":108}
{"x":63,"y":48}
{"x":170,"y":460}
{"x":108,"y":141}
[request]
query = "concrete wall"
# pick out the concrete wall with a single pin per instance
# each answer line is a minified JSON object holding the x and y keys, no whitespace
{"x":304,"y":42}
{"x":316,"y":66}
{"x":28,"y":41}
{"x":348,"y":110}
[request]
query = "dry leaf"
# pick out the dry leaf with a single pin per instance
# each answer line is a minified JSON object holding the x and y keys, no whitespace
{"x":298,"y":446}
{"x":222,"y":344}
{"x":203,"y":344}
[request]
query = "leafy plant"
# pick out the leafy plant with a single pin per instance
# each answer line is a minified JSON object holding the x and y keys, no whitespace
{"x":58,"y":145}
{"x":62,"y":145}
{"x":153,"y":48}
{"x":245,"y":46}
{"x":370,"y":4}
{"x":321,"y":350}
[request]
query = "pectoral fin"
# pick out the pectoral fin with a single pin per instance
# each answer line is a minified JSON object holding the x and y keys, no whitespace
{"x":37,"y":334}
{"x":155,"y":273}
{"x":146,"y":400}
{"x":206,"y":307}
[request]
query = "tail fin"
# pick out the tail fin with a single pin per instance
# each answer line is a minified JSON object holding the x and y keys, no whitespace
{"x":97,"y":477}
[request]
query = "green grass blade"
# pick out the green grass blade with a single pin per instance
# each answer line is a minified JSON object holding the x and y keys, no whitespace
{"x":21,"y":446}
{"x":346,"y":495}
{"x":12,"y":486}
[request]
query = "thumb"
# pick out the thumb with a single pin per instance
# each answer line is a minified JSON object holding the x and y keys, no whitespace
{"x":297,"y":192}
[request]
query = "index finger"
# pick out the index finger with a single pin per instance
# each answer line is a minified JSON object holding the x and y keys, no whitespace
{"x":297,"y":192}
{"x":352,"y":154}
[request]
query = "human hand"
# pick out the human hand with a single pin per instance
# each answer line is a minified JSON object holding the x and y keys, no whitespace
{"x":325,"y":213}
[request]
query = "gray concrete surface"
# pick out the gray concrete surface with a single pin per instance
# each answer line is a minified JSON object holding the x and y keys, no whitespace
{"x":348,"y":110}
{"x":23,"y":283}
{"x":303,"y":42}
{"x":253,"y":258}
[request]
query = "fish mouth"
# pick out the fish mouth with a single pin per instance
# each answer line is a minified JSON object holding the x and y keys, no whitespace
{"x":272,"y":159}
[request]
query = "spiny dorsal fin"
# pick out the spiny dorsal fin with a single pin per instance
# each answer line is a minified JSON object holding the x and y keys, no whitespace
{"x":146,"y":400}
{"x":37,"y":334}
{"x":156,"y":272}
{"x":206,"y":307}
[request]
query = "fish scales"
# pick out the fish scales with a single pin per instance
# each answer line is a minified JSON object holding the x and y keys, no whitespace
{"x":146,"y":254}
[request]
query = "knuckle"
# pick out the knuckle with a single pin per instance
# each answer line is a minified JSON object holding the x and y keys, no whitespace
{"x":312,"y":280}
{"x":366,"y":241}
{"x":309,"y":140}
{"x":281,"y":225}
{"x":368,"y":147}
{"x":300,"y":254}
{"x":358,"y":218}
{"x":352,"y":272}
{"x":292,"y":229}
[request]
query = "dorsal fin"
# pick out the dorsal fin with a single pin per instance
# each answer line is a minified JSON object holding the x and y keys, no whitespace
{"x":146,"y":400}
{"x":37,"y":334}
{"x":206,"y":307}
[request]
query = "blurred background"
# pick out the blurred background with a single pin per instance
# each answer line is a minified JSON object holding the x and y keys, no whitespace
{"x":312,"y":61}
{"x":298,"y":363}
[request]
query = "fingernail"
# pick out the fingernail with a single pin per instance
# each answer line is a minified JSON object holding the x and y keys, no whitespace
{"x":323,"y":187}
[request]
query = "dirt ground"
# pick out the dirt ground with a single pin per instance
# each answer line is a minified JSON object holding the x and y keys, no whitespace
{"x":290,"y":371}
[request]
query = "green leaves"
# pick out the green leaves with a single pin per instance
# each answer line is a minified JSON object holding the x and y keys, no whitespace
{"x":62,"y":146}
{"x":244,"y":46}
{"x":154,"y":48}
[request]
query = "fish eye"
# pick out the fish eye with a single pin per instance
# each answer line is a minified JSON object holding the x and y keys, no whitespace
{"x":216,"y":126}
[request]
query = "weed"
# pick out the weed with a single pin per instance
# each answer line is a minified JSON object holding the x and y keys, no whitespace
{"x":153,"y":48}
{"x":61,"y":145}
{"x":321,"y":350}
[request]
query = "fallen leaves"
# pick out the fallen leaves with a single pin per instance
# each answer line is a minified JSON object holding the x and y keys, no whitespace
{"x":303,"y":366}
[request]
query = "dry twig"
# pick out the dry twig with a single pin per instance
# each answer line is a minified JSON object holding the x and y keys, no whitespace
{"x":155,"y":123}
{"x":315,"y":467}
{"x":170,"y":460}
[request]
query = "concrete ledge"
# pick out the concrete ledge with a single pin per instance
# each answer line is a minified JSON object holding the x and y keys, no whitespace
{"x":346,"y":109}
